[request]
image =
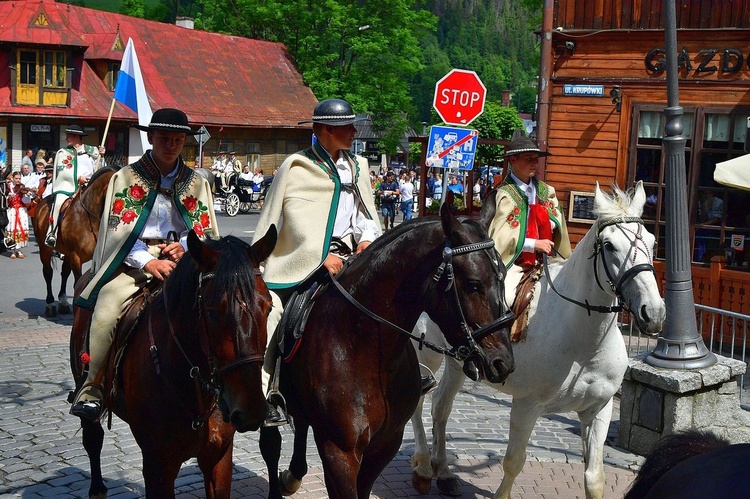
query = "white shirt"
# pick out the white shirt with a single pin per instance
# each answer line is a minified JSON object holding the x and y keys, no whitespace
{"x":85,"y":163}
{"x":530,"y":191}
{"x":349,"y":219}
{"x":163,"y":218}
{"x":407,"y":191}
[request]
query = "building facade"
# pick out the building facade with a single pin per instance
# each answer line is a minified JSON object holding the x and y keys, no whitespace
{"x":601,"y":118}
{"x":59,"y":65}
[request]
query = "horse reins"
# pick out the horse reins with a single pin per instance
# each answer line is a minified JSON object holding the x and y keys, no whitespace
{"x":616,"y":286}
{"x":445,"y":270}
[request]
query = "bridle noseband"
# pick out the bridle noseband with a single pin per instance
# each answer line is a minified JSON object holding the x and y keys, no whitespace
{"x":444,"y":273}
{"x":615,"y":285}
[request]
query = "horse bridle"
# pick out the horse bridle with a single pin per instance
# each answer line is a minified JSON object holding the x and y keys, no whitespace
{"x":445,"y":271}
{"x":213,"y":385}
{"x":615,"y":285}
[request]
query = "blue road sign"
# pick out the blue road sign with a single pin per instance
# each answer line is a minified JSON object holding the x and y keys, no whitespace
{"x":450,"y":147}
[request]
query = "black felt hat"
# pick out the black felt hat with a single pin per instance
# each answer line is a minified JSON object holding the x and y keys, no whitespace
{"x":75,"y":130}
{"x":168,"y":120}
{"x":335,"y":112}
{"x":520,"y":145}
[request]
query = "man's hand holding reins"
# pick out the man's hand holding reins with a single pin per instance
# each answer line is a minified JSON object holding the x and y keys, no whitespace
{"x":333,"y":264}
{"x":544,"y":245}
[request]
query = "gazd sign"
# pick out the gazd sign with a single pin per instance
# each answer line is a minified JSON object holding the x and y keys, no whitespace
{"x":459,"y":97}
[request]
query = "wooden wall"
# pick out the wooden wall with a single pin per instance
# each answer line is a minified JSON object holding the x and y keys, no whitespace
{"x":647,"y":14}
{"x":588,"y":137}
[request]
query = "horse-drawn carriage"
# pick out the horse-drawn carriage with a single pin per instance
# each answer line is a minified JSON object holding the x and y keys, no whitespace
{"x":242,"y":195}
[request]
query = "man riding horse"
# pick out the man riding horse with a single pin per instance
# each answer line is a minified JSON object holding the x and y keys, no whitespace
{"x":73,"y":166}
{"x":146,"y":201}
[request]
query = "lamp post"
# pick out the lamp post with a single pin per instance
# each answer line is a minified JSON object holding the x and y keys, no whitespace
{"x":680,"y":346}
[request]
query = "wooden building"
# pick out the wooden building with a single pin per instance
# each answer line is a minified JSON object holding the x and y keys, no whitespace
{"x":600,"y":115}
{"x":59,"y":65}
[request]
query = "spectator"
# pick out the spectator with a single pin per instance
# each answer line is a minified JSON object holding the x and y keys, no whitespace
{"x":388,"y":194}
{"x":455,"y":187}
{"x":406,"y":192}
{"x":18,"y":219}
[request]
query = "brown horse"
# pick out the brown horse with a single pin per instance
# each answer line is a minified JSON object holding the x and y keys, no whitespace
{"x":355,"y":378}
{"x":192,"y":365}
{"x":79,"y":229}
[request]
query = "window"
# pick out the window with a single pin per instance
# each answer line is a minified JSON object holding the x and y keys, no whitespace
{"x":717,"y":213}
{"x":253,"y":155}
{"x":112,"y":74}
{"x":27,"y":67}
{"x":54,"y":69}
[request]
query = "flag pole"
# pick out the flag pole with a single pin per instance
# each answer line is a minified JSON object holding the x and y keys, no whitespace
{"x":106,"y":130}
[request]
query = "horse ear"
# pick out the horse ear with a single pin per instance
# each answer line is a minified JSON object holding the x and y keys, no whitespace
{"x":599,"y":197}
{"x":204,"y":256}
{"x":639,"y":199}
{"x":263,"y":247}
{"x":450,"y":222}
{"x":489,"y":205}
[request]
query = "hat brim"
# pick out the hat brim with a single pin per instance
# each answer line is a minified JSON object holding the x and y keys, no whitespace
{"x":515,"y":152}
{"x":332,"y":122}
{"x":167,"y":128}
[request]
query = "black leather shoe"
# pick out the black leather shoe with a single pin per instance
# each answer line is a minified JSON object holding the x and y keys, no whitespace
{"x":428,"y":384}
{"x":90,"y":409}
{"x":275,"y":418}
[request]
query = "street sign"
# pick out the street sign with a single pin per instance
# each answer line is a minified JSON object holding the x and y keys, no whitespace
{"x":202,"y":136}
{"x":450,"y":147}
{"x":459,"y":97}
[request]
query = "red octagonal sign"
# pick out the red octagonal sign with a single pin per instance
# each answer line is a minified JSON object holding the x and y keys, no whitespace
{"x":459,"y":97}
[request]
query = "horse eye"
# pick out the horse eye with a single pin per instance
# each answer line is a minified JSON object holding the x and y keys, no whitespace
{"x":609,"y":246}
{"x":475,"y":286}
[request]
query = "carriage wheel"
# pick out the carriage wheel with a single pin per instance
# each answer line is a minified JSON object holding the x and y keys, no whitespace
{"x":232,"y":204}
{"x":245,"y":207}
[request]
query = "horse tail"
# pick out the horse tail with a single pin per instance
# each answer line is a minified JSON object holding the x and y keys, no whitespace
{"x":671,"y":451}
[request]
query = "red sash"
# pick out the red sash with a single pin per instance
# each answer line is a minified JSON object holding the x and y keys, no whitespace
{"x":538,"y":227}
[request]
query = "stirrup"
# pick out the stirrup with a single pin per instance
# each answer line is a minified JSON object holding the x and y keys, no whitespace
{"x":277,"y":415}
{"x":50,"y":241}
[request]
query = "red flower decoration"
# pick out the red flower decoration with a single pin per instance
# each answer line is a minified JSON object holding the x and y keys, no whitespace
{"x":190,"y":203}
{"x":205,"y":220}
{"x":137,"y":192}
{"x":118,"y":206}
{"x":85,"y":358}
{"x":510,"y":218}
{"x":128,"y":216}
{"x":198,"y":229}
{"x":516,"y":210}
{"x":514,"y":223}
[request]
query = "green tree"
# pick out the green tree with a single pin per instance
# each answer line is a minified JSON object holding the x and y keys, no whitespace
{"x":496,"y":122}
{"x":134,"y":8}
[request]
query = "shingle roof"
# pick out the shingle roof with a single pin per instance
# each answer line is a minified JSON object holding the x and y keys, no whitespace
{"x":216,"y":79}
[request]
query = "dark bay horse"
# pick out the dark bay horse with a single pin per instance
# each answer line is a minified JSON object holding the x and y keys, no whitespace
{"x":355,"y":378}
{"x":79,"y":229}
{"x":693,"y":465}
{"x":191,"y":367}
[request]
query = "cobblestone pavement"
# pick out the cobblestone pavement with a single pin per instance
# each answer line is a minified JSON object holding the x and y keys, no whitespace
{"x":41,"y":454}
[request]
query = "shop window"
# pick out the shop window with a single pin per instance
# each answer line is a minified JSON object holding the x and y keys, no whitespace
{"x":253,"y":155}
{"x":718,"y":214}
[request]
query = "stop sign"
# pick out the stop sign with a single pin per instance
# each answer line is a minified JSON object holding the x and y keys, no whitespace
{"x":459,"y":97}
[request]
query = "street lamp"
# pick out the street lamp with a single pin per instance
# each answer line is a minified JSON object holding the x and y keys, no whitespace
{"x":680,"y":346}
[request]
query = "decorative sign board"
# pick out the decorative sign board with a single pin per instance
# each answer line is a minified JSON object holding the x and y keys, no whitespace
{"x":581,"y":207}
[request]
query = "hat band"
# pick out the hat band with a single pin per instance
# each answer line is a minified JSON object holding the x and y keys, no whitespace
{"x":332,"y":117}
{"x":170,"y":125}
{"x":519,"y":151}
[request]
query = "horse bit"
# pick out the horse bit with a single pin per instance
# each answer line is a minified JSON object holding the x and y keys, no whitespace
{"x":615,"y":285}
{"x":445,"y":270}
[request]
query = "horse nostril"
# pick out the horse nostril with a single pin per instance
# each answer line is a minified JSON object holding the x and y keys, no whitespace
{"x":644,"y":314}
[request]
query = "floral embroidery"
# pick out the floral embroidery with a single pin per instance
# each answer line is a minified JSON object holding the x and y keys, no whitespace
{"x":128,"y":203}
{"x":551,"y":207}
{"x":513,"y":217}
{"x":197,"y":212}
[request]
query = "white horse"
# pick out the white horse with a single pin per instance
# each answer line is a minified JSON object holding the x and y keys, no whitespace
{"x":573,"y":357}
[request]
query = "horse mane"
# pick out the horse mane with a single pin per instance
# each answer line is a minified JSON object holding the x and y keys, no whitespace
{"x":618,"y":204}
{"x":234,"y":273}
{"x":671,"y":451}
{"x":101,"y":171}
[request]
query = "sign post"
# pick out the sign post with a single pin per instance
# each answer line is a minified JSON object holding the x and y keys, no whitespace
{"x":459,"y":97}
{"x":202,"y":137}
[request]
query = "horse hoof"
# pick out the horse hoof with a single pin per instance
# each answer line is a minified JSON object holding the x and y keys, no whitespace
{"x":421,"y":484}
{"x":50,"y":311}
{"x":63,"y":309}
{"x":449,"y":486}
{"x":288,"y":484}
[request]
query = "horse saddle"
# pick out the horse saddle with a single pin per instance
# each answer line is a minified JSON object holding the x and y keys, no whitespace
{"x":297,"y":310}
{"x":524,"y":295}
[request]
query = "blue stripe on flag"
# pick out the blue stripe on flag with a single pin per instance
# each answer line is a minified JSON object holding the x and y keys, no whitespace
{"x":125,"y":91}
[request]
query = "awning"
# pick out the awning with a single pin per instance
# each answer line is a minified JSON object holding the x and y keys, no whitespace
{"x":734,"y":173}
